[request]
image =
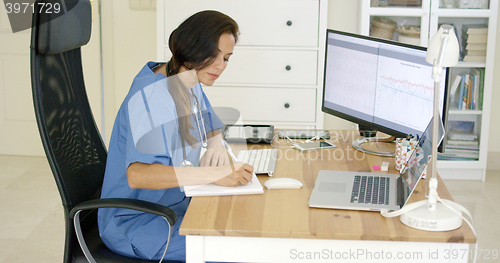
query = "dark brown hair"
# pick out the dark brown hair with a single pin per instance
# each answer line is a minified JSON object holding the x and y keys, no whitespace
{"x":195,"y":45}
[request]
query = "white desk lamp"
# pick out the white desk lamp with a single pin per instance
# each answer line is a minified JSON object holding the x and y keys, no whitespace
{"x":443,"y":51}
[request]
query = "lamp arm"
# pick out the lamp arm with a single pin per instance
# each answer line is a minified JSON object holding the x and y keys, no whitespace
{"x":433,"y":183}
{"x":437,"y":71}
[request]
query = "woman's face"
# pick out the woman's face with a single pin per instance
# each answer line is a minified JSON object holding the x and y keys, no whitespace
{"x":209,"y":74}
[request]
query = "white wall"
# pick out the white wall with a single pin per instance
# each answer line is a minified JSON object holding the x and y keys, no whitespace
{"x":129,"y":41}
{"x":19,"y":133}
{"x":129,"y":38}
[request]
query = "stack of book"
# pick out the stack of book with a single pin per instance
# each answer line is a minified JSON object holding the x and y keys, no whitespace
{"x":474,"y":38}
{"x":467,"y":90}
{"x":462,"y":142}
{"x":460,"y":149}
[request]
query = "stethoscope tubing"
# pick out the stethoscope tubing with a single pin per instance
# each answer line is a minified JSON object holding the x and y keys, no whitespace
{"x":203,"y":135}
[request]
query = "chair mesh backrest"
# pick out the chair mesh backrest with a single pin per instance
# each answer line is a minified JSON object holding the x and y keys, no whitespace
{"x":69,"y":134}
{"x":72,"y":140}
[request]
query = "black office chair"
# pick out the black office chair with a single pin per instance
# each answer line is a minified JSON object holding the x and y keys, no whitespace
{"x":72,"y":143}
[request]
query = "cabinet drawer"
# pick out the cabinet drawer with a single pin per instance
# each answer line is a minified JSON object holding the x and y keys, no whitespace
{"x":292,"y":23}
{"x":264,"y":66}
{"x":270,"y":67}
{"x":266,"y":104}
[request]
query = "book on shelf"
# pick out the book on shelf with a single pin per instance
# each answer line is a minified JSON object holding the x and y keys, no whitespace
{"x":474,"y":53}
{"x":465,"y":88}
{"x":470,"y":58}
{"x":462,"y":153}
{"x":470,"y":91}
{"x":481,"y":89}
{"x":475,"y":91}
{"x":462,"y":90}
{"x":475,"y":28}
{"x":453,"y":157}
{"x":458,"y":156}
{"x":461,"y":126}
{"x":475,"y":38}
{"x":454,"y":87}
{"x":474,"y":46}
{"x":461,"y":131}
{"x":462,"y":142}
{"x":463,"y":136}
{"x":451,"y":147}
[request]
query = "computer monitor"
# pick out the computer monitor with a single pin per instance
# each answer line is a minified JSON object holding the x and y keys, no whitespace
{"x":379,"y":84}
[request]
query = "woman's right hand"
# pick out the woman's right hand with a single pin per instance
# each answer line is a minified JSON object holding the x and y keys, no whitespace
{"x":241,"y":175}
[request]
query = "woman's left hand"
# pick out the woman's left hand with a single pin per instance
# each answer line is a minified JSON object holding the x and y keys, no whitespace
{"x":215,"y":155}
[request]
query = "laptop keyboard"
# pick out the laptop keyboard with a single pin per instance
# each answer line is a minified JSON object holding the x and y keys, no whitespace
{"x":370,"y":190}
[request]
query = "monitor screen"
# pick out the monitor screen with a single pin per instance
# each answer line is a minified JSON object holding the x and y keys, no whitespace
{"x":379,"y":84}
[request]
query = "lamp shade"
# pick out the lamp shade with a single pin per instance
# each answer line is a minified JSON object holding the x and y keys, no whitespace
{"x":451,"y":50}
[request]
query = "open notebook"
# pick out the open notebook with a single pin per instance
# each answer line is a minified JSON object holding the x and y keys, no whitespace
{"x":253,"y":187}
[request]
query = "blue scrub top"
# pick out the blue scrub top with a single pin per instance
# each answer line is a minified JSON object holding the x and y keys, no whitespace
{"x":146,"y":130}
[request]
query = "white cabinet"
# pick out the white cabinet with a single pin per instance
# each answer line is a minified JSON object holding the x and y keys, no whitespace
{"x":275,"y":75}
{"x":429,"y":16}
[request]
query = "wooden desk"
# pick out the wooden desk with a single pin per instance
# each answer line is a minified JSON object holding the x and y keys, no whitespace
{"x":279,"y":226}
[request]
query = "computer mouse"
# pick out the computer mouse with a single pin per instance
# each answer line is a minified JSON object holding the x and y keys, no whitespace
{"x":283,"y":183}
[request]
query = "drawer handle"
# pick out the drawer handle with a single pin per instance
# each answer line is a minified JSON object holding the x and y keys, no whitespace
{"x":288,"y":68}
{"x":288,"y":23}
{"x":287,"y":105}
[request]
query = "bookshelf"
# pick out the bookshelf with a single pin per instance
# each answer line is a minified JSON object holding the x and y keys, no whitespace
{"x":428,"y":16}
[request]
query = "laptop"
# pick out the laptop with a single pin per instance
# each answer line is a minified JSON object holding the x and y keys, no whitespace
{"x":373,"y":191}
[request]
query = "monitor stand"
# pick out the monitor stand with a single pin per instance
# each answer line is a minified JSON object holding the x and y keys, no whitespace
{"x":369,"y":137}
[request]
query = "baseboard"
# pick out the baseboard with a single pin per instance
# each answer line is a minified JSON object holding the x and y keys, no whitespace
{"x":493,"y":161}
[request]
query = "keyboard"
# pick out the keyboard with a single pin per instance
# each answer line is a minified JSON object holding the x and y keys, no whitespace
{"x":262,"y":160}
{"x":370,"y":190}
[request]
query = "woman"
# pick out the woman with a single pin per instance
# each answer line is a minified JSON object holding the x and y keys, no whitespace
{"x":157,"y":138}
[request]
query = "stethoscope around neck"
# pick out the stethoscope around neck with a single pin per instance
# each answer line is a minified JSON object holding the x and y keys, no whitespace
{"x":201,"y":130}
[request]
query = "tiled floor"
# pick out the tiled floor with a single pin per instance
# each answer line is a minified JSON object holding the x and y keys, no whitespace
{"x":31,"y":216}
{"x":32,"y":225}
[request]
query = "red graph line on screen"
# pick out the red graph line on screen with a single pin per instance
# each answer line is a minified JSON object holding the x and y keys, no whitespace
{"x":411,"y":95}
{"x":408,"y":83}
{"x":415,"y":89}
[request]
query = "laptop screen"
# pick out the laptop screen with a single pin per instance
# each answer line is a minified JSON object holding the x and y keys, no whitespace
{"x":417,"y":163}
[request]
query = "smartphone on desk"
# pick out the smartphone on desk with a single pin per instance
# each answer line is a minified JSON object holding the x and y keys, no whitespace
{"x":307,"y":146}
{"x":303,"y":134}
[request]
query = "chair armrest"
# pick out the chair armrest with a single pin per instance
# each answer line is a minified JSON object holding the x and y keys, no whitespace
{"x":134,"y":204}
{"x":139,"y":205}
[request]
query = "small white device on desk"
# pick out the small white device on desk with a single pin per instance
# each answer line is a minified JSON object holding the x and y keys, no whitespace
{"x":283,"y":183}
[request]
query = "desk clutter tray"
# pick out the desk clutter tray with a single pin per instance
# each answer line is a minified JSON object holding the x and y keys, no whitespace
{"x":248,"y":133}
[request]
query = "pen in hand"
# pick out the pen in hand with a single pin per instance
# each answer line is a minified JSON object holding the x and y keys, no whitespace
{"x":232,"y":157}
{"x":228,"y":150}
